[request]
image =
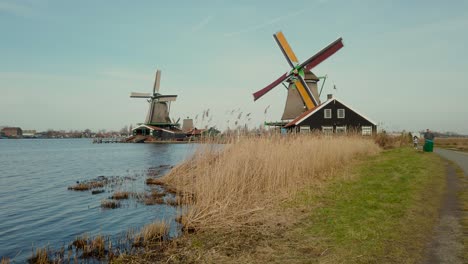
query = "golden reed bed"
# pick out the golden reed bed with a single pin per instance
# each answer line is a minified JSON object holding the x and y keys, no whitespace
{"x":230,"y":187}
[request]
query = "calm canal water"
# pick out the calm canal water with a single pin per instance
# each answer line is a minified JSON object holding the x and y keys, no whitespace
{"x":37,"y":210}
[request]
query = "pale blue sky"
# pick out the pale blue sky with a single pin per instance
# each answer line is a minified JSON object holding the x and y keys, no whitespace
{"x":72,"y":64}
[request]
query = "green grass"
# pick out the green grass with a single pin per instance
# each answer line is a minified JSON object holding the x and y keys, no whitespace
{"x":463,"y":197}
{"x":385,"y":214}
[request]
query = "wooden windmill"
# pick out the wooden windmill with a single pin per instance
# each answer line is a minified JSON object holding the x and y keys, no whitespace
{"x":158,"y":112}
{"x":302,"y":89}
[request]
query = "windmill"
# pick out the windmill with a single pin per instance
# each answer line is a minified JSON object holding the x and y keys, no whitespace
{"x":300,"y":95}
{"x":158,"y":112}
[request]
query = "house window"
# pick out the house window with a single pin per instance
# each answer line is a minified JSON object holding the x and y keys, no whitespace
{"x":341,"y":129}
{"x":327,"y":130}
{"x":305,"y":129}
{"x":341,"y":113}
{"x":327,"y":113}
{"x":366,"y":130}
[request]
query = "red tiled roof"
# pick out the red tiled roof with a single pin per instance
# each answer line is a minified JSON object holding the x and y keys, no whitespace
{"x":299,"y":117}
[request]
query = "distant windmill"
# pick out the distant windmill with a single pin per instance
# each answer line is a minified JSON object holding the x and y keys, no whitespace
{"x":158,"y":112}
{"x":302,"y":89}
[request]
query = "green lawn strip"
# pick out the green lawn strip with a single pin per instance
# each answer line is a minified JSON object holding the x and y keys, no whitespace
{"x":385,"y":214}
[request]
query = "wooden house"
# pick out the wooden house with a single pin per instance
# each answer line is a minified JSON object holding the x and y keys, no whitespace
{"x":332,"y":116}
{"x":158,"y":133}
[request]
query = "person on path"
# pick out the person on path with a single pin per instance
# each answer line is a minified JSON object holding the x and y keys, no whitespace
{"x":415,"y":142}
{"x":428,"y":141}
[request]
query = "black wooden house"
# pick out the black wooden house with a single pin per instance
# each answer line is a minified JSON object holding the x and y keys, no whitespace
{"x":332,"y":116}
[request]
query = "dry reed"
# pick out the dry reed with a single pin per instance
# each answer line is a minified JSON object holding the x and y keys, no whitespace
{"x":112,"y":204}
{"x":121,"y":195}
{"x":458,"y":143}
{"x":5,"y":260}
{"x":154,"y":181}
{"x":152,"y":233}
{"x":41,"y":256}
{"x":86,"y":186}
{"x":229,"y":187}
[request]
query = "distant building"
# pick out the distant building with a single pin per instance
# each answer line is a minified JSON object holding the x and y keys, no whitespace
{"x":332,"y":116}
{"x":12,"y":132}
{"x":158,"y":133}
{"x":29,"y":133}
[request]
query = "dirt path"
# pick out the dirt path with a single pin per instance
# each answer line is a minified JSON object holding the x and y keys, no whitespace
{"x":447,"y":243}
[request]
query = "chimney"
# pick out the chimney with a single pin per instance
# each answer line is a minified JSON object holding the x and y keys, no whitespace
{"x":187,"y":125}
{"x":329,"y":96}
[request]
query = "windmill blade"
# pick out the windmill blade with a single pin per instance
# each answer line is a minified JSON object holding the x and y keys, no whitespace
{"x":286,"y":49}
{"x":322,"y":55}
{"x":140,"y":95}
{"x":167,"y":99}
{"x":309,"y":100}
{"x":265,"y":90}
{"x":157,"y":82}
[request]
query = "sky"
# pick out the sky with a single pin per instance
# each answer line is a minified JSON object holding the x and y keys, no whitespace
{"x":71,"y":65}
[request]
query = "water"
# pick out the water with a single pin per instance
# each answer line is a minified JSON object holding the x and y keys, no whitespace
{"x":36,"y":209}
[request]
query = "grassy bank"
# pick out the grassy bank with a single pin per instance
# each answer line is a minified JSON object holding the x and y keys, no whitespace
{"x":463,"y":196}
{"x":385,"y":214}
{"x":380,"y":210}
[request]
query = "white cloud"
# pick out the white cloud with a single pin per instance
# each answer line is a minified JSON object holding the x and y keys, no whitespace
{"x":202,"y":24}
{"x":265,"y":24}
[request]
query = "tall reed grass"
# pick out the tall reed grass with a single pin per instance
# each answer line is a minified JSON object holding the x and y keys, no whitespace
{"x":229,"y":187}
{"x":155,"y":232}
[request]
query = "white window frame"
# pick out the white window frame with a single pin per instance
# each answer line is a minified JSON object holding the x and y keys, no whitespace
{"x":340,"y":129}
{"x":327,"y":113}
{"x":366,"y":130}
{"x":304,"y":129}
{"x":327,"y":130}
{"x":342,"y":111}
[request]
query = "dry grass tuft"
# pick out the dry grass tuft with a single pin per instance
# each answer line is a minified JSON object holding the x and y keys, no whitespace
{"x":111,"y":204}
{"x":86,"y":186}
{"x":387,"y":141}
{"x":153,"y":200}
{"x":121,"y":195}
{"x":41,"y":256}
{"x":155,"y":232}
{"x":80,"y":242}
{"x":231,"y":187}
{"x":95,"y":248}
{"x":154,"y":181}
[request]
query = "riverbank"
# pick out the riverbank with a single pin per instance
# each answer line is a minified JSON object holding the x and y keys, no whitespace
{"x":380,"y":209}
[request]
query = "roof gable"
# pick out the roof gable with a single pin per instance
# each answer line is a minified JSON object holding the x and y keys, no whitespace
{"x":154,"y":128}
{"x":298,"y":120}
{"x":306,"y":114}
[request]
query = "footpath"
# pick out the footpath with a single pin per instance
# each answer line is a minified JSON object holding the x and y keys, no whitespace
{"x":447,"y":243}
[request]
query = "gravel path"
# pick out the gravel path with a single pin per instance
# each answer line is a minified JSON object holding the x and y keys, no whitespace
{"x":446,"y":245}
{"x":460,"y":158}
